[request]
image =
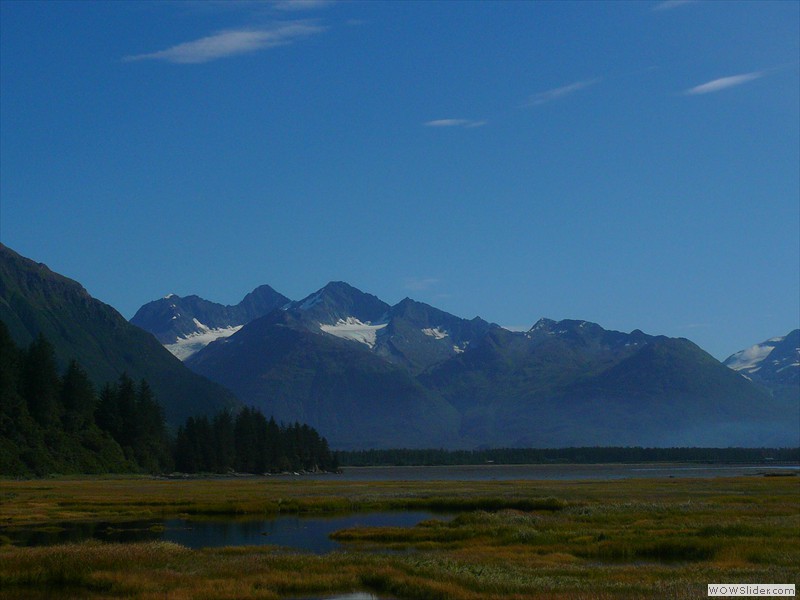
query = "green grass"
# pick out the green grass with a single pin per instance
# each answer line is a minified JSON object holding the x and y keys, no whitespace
{"x":556,"y":539}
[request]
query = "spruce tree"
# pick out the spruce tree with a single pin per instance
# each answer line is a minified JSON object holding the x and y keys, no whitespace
{"x":78,"y":398}
{"x":40,"y":382}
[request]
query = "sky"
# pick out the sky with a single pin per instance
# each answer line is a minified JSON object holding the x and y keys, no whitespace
{"x":634,"y":164}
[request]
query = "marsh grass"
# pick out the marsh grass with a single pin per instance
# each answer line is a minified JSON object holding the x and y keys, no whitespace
{"x":509,"y":540}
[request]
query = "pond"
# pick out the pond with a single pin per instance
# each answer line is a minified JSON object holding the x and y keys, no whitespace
{"x":309,"y":534}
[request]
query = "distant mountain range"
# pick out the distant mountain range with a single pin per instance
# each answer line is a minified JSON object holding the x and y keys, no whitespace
{"x":368,"y":374}
{"x":185,"y":325}
{"x":34,"y":299}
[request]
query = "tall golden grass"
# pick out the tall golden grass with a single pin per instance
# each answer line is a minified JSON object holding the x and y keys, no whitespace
{"x":511,"y":540}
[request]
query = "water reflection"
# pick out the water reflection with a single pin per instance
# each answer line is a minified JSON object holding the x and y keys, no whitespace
{"x":309,"y":534}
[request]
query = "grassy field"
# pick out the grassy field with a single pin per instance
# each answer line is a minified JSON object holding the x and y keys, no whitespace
{"x":635,"y":538}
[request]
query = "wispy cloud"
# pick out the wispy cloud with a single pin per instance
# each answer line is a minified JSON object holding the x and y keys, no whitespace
{"x":670,"y":4}
{"x":560,"y":92}
{"x":232,"y":42}
{"x":301,"y":5}
{"x":465,"y":123}
{"x":420,"y":283}
{"x":723,"y":83}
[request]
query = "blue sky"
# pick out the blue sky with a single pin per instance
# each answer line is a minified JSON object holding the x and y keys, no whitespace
{"x":634,"y":164}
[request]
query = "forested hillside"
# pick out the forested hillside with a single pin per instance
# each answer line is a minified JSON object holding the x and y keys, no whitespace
{"x":59,"y":423}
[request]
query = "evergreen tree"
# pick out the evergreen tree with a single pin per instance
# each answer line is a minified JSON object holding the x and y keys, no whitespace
{"x":150,"y":442}
{"x":78,"y":398}
{"x":246,"y":443}
{"x":11,"y":402}
{"x":17,"y":428}
{"x":129,"y":425}
{"x":274,"y":447}
{"x":107,"y":414}
{"x":224,"y":442}
{"x":40,"y":382}
{"x":185,"y":455}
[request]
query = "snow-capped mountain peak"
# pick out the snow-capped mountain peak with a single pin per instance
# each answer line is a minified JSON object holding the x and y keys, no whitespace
{"x":749,"y":360}
{"x":340,"y":302}
{"x":185,"y":325}
{"x":774,"y":361}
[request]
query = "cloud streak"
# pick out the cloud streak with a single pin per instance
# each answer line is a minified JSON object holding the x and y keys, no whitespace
{"x":465,"y":123}
{"x":723,"y":83}
{"x":670,"y":4}
{"x":560,"y":92}
{"x":301,"y":5}
{"x":232,"y":42}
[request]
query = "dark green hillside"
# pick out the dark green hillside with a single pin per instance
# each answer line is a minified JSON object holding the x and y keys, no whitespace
{"x":47,"y":421}
{"x":52,"y":423}
{"x":34,"y":300}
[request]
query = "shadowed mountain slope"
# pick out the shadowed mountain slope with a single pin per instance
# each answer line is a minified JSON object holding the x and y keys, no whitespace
{"x":34,"y":299}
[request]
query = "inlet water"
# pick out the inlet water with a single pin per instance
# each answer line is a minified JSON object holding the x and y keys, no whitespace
{"x":309,"y":534}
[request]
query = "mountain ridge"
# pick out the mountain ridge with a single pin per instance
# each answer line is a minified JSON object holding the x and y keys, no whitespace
{"x":34,"y":299}
{"x":186,"y":324}
{"x":566,"y":382}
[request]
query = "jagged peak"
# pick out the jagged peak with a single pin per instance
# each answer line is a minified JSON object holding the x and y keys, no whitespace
{"x":339,"y":300}
{"x":543,"y":324}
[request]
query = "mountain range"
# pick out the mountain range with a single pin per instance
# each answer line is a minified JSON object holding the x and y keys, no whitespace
{"x":369,"y":374}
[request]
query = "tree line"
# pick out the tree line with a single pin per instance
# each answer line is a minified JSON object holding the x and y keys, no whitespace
{"x":59,"y":423}
{"x":519,"y":456}
{"x":249,"y":443}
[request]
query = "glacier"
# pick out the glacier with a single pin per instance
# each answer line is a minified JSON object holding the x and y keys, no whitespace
{"x":354,"y":330}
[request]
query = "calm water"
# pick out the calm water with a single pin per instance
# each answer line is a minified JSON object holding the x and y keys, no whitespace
{"x":309,"y":534}
{"x":302,"y":533}
{"x":551,"y":472}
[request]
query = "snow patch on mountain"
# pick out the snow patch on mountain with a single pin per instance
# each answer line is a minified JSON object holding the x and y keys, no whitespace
{"x":435,"y":333}
{"x":796,"y":364}
{"x":749,"y":360}
{"x":184,"y":347}
{"x":354,"y":330}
